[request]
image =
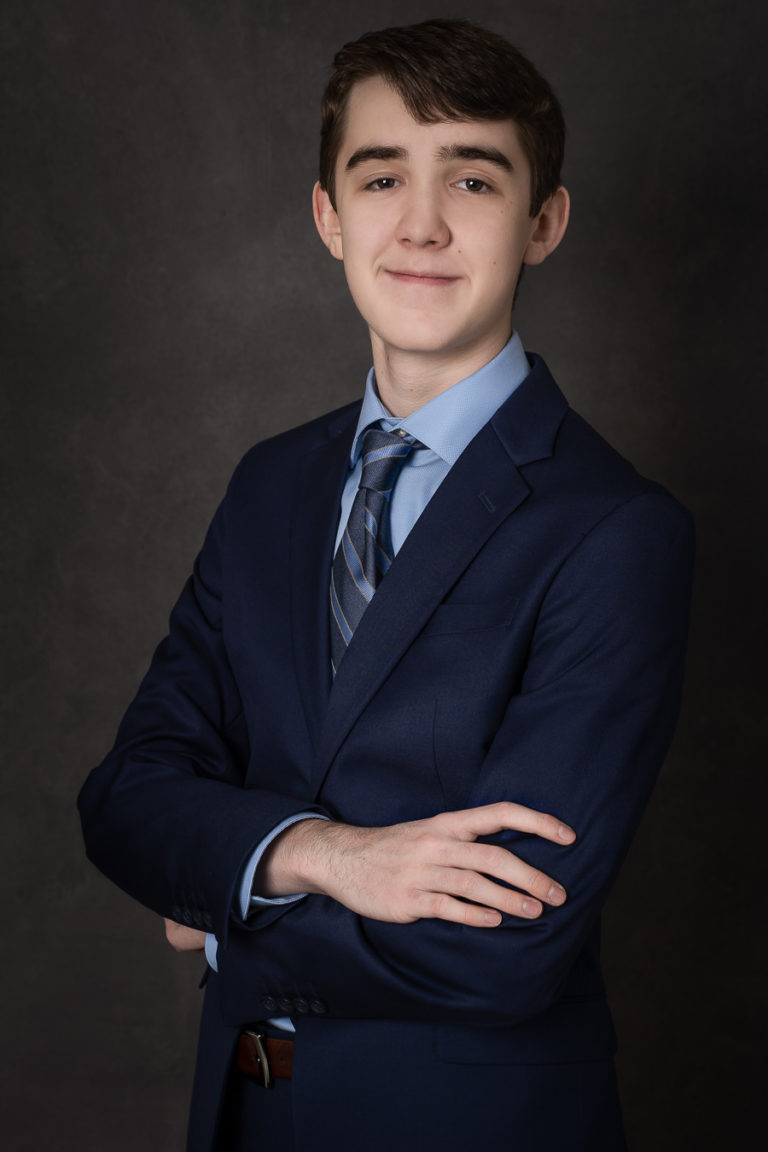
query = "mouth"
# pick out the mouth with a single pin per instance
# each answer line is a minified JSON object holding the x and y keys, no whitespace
{"x":430,"y":279}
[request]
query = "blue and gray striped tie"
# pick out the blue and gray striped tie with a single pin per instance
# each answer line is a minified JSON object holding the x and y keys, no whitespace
{"x":365,"y":550}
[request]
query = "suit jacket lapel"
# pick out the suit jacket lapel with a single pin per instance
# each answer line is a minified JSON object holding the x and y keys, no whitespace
{"x":480,"y":491}
{"x":316,"y":500}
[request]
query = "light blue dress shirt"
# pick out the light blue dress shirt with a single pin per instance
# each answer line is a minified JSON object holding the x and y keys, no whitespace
{"x":445,"y":426}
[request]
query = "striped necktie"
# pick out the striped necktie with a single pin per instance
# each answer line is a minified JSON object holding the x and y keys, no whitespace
{"x":365,"y":550}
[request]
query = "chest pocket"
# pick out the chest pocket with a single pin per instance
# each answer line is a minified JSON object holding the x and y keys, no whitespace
{"x":453,"y":618}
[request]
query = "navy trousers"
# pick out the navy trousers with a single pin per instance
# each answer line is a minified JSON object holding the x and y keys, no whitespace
{"x":406,"y":1100}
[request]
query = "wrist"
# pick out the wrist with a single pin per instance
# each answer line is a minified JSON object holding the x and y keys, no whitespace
{"x":294,"y":862}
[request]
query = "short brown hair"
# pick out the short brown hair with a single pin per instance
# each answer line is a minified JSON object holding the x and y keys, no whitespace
{"x":450,"y":70}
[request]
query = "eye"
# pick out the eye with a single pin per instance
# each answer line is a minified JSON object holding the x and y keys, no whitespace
{"x":473,"y":184}
{"x":382,"y":184}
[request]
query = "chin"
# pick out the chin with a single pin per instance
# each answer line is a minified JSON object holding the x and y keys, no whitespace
{"x":418,"y":336}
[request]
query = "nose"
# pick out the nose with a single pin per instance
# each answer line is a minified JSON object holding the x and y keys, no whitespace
{"x":423,"y":223}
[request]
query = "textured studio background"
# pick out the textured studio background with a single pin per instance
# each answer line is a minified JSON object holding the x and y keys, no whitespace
{"x":167,"y":303}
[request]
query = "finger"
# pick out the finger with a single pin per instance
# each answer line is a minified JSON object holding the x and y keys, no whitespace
{"x":190,"y":943}
{"x":442,"y":906}
{"x":501,"y":864}
{"x":506,"y":815}
{"x":182,"y":938}
{"x":482,"y":891}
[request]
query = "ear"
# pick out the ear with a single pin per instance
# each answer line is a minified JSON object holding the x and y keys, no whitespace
{"x":549,"y":227}
{"x":327,"y":221}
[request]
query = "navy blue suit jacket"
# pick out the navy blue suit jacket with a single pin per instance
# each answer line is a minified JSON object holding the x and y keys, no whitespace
{"x":527,"y":644}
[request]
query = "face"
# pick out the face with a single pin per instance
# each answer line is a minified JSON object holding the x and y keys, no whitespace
{"x":432,"y":222}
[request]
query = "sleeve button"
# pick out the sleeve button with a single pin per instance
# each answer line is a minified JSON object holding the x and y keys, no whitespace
{"x":269,"y":1003}
{"x":301,"y":1005}
{"x":318,"y":1007}
{"x":284,"y":1004}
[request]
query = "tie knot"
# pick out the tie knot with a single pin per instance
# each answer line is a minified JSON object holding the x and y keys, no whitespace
{"x":384,"y":454}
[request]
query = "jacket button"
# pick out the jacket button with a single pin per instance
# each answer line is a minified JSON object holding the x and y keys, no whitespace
{"x":284,"y":1004}
{"x":318,"y":1007}
{"x":301,"y":1005}
{"x":269,"y":1003}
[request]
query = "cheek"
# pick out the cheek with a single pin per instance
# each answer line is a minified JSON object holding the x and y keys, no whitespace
{"x":359,"y":247}
{"x":363,"y":232}
{"x":503,"y":257}
{"x":360,"y":282}
{"x":488,"y":243}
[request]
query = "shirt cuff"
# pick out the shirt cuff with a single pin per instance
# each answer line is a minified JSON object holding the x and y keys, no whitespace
{"x":211,"y":950}
{"x":248,"y":902}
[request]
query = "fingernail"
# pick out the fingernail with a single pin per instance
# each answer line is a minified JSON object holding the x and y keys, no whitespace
{"x":556,"y":894}
{"x":493,"y":918}
{"x":566,"y":833}
{"x":531,"y":908}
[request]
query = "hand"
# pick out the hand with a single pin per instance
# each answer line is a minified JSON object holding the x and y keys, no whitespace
{"x":182,"y":938}
{"x":422,"y":869}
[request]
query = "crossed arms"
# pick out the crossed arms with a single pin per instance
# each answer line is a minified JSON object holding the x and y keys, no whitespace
{"x":431,"y":868}
{"x":168,"y":819}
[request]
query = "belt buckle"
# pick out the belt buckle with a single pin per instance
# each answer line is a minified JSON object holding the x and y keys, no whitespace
{"x":261,"y":1055}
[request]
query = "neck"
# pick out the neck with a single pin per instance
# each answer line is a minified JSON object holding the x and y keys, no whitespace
{"x":409,"y":380}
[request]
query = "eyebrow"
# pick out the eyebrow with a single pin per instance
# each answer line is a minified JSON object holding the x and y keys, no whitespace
{"x":475,"y":152}
{"x":374,"y":152}
{"x":447,"y":152}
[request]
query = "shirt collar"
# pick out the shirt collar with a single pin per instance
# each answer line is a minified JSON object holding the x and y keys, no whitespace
{"x":447,"y":423}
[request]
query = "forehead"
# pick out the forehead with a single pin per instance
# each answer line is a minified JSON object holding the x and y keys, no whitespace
{"x":376,"y":116}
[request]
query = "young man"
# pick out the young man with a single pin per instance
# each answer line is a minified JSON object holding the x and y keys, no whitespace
{"x":393,"y":818}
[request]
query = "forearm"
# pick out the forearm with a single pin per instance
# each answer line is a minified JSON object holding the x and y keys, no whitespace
{"x":419,"y":869}
{"x":370,"y":963}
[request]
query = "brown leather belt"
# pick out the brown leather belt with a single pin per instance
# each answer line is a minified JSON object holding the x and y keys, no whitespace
{"x":264,"y":1058}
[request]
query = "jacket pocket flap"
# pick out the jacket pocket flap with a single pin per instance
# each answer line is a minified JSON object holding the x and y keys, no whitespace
{"x":450,"y":618}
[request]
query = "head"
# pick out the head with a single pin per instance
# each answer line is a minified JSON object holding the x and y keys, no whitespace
{"x":450,"y":70}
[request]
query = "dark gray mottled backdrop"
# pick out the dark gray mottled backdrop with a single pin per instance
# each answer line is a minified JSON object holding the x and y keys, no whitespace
{"x":167,"y":303}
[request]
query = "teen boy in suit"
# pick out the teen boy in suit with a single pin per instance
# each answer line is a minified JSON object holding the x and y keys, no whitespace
{"x":361,"y":801}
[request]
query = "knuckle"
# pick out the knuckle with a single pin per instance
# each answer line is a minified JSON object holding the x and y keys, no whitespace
{"x":496,"y":859}
{"x":419,"y":846}
{"x":517,"y":906}
{"x":445,"y":853}
{"x":464,"y":882}
{"x":512,"y":902}
{"x":491,"y":861}
{"x":440,"y":905}
{"x":412,"y":900}
{"x":431,"y":846}
{"x":469,"y":914}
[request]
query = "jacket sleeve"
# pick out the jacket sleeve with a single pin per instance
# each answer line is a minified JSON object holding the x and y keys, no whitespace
{"x":166,"y":816}
{"x":583,"y":738}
